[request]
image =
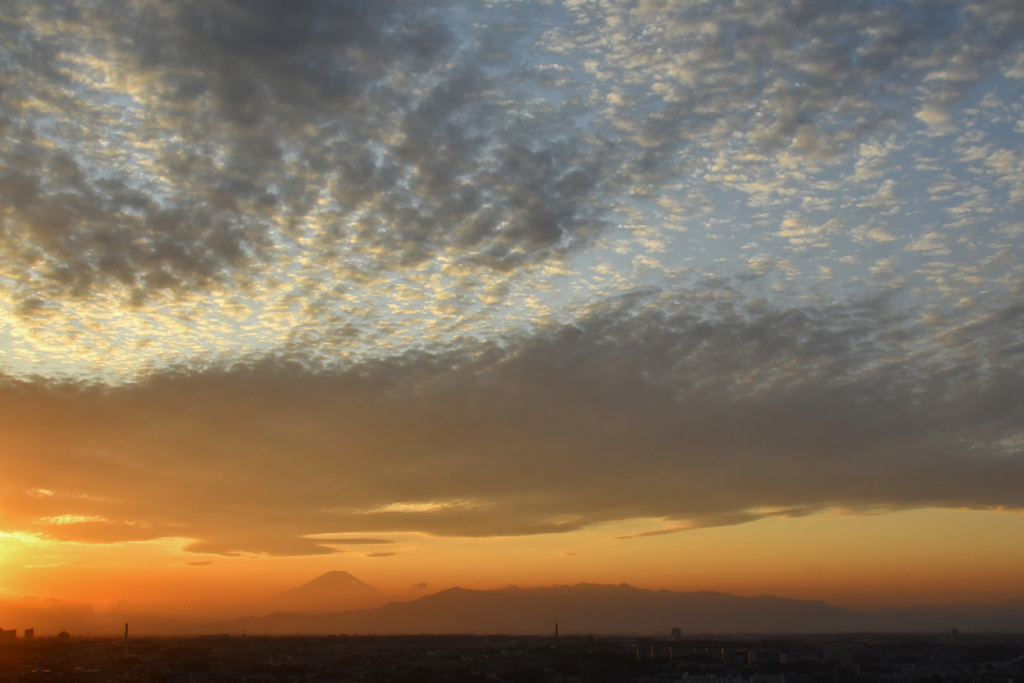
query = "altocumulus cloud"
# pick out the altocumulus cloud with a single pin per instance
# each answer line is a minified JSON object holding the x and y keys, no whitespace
{"x":156,"y":148}
{"x":358,"y":267}
{"x":700,"y":408}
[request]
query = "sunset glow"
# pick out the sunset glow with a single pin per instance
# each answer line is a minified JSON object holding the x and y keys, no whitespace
{"x":698,"y":296}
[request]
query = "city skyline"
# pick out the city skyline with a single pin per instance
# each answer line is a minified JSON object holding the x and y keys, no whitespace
{"x":688,"y":295}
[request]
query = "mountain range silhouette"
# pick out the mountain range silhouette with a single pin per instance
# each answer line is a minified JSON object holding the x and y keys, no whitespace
{"x":335,"y":591}
{"x":339,"y":603}
{"x":608,"y":609}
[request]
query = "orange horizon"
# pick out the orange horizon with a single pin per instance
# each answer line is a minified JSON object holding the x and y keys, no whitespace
{"x":707,"y":296}
{"x":917,"y":557}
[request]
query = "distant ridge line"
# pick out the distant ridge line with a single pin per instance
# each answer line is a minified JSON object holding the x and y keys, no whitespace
{"x":600,"y":609}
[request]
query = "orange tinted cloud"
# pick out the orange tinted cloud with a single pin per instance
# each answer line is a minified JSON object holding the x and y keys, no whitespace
{"x":637,"y":410}
{"x":282,"y":281}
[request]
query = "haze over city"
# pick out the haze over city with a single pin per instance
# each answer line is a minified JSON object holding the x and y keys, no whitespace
{"x":695,"y":295}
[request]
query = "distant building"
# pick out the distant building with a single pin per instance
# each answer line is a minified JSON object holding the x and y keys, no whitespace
{"x":8,"y":636}
{"x":63,"y":637}
{"x":765,"y":656}
{"x":30,"y":633}
{"x":602,"y":668}
{"x":768,"y":678}
{"x":677,"y":634}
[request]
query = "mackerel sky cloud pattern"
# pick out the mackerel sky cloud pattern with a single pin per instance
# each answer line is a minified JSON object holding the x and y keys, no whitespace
{"x":493,"y":268}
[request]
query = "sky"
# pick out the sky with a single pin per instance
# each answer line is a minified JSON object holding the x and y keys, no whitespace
{"x":698,"y":295}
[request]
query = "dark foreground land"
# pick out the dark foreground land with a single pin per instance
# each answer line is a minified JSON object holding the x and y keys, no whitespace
{"x":572,"y":659}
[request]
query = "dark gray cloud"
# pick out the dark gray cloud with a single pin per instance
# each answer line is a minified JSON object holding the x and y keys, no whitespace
{"x":154,"y":148}
{"x":168,"y":147}
{"x":701,"y":408}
